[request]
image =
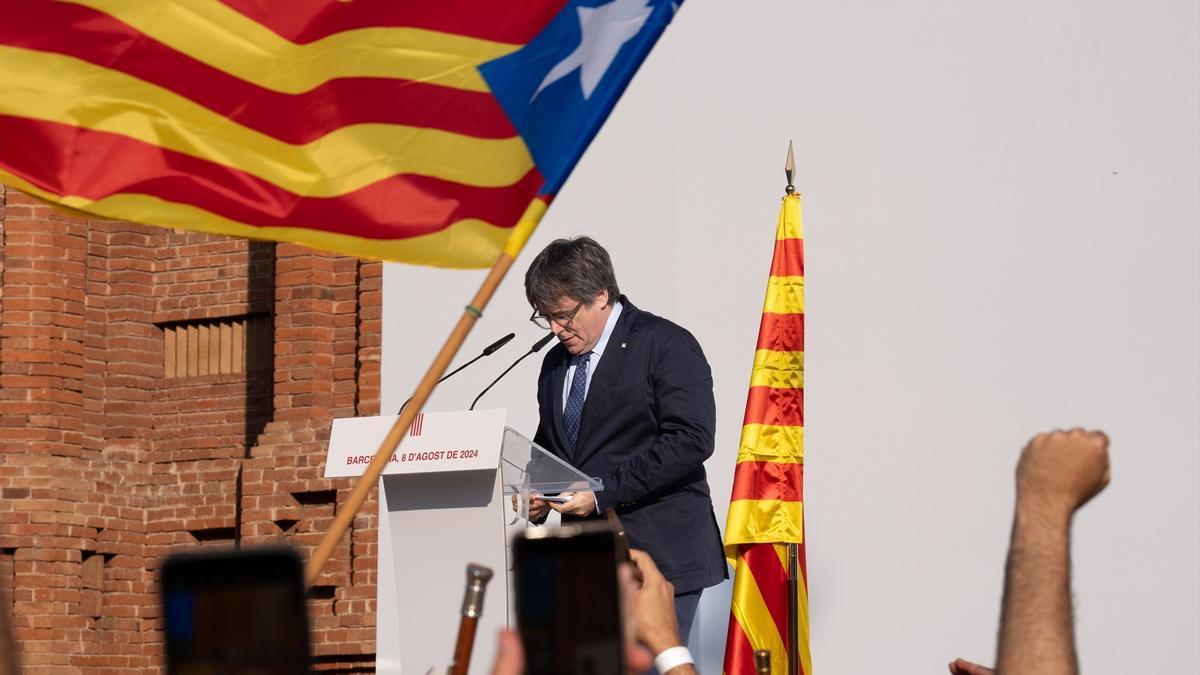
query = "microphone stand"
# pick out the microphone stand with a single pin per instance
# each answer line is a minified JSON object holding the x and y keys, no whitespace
{"x":537,"y":347}
{"x":487,"y":351}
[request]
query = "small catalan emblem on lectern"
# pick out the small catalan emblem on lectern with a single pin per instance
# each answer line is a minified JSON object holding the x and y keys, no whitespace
{"x":415,"y":429}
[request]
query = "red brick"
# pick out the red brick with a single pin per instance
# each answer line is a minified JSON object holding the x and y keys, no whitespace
{"x":105,"y":458}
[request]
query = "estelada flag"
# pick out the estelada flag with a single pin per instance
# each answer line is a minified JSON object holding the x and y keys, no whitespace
{"x":766,"y":510}
{"x":427,"y":131}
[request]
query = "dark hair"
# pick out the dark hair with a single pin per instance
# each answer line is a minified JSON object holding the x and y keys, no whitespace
{"x":578,"y":268}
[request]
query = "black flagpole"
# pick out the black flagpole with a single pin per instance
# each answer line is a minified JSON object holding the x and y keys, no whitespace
{"x":793,"y":587}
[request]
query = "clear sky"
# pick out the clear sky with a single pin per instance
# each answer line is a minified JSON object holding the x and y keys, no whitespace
{"x":1002,"y":210}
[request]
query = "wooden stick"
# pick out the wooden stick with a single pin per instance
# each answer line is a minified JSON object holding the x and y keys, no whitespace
{"x":478,"y":577}
{"x":349,"y":511}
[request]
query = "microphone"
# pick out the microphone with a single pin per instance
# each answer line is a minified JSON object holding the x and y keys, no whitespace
{"x":537,"y":347}
{"x":487,"y":351}
{"x":493,"y":348}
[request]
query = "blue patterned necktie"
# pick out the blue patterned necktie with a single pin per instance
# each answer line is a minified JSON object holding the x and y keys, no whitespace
{"x":574,"y":410}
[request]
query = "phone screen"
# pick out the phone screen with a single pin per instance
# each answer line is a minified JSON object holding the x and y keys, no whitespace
{"x":568,"y":604}
{"x":235,"y":612}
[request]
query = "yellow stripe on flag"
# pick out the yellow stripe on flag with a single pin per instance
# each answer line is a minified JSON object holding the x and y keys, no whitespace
{"x":801,"y":612}
{"x":783,"y":370}
{"x":525,"y":227}
{"x":49,"y":87}
{"x":215,"y":34}
{"x":785,"y":295}
{"x":751,"y":613}
{"x":771,"y":443}
{"x":468,"y":243}
{"x":791,"y":225}
{"x":762,"y":521}
{"x":802,"y":625}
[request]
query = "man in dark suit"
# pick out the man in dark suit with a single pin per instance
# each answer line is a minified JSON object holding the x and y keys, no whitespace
{"x":626,"y":396}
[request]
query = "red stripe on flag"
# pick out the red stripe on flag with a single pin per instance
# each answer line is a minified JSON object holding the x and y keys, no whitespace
{"x":775,"y":405}
{"x":788,"y":259}
{"x":771,"y":578}
{"x":304,"y":21}
{"x":783,"y":481}
{"x":55,"y":157}
{"x":781,"y":332}
{"x":739,"y":653}
{"x":802,"y":557}
{"x":294,"y":118}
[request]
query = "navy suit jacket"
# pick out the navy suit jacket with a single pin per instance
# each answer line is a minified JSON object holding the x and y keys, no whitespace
{"x":647,"y":427}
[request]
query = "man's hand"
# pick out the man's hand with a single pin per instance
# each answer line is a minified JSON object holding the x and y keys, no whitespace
{"x":538,"y":508}
{"x":638,"y":659}
{"x":1062,"y":470}
{"x":965,"y":667}
{"x":580,"y":504}
{"x":654,"y":606}
{"x":1058,"y":472}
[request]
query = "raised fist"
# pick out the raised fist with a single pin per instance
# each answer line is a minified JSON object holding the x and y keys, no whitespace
{"x":1062,"y":470}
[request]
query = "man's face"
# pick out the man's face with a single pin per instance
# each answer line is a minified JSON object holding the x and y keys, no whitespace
{"x":580,"y":332}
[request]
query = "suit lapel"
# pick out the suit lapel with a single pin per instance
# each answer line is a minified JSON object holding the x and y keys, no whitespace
{"x":608,"y":374}
{"x":557,"y":380}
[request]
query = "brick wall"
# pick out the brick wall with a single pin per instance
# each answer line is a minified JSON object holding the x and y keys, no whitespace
{"x":107,"y":464}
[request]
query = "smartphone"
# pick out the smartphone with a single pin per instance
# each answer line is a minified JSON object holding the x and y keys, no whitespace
{"x":614,"y":523}
{"x":235,"y":612}
{"x":568,"y":600}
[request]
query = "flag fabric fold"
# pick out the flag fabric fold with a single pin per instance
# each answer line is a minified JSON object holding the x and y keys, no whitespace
{"x":403,"y":131}
{"x":766,"y":508}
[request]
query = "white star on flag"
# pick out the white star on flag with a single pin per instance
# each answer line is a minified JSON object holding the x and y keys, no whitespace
{"x":605,"y":30}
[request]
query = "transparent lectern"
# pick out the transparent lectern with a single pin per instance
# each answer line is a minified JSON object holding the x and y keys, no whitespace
{"x":527,"y":468}
{"x":445,"y":499}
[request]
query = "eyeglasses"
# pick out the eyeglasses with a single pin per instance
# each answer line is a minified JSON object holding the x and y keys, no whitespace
{"x":543,"y":321}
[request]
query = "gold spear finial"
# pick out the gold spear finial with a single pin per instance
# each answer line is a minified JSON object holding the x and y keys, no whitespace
{"x":789,"y":170}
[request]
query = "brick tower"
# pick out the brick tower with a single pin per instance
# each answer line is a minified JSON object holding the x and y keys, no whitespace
{"x":164,"y":389}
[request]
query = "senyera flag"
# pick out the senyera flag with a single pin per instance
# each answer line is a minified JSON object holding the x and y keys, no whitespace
{"x":766,"y":510}
{"x":428,"y":131}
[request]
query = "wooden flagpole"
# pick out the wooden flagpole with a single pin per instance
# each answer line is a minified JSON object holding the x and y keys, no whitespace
{"x":349,"y":511}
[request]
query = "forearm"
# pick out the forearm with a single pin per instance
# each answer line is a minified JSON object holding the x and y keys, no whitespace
{"x":659,"y":641}
{"x":1036,"y":636}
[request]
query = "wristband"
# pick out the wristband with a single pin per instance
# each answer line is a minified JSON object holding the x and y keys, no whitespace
{"x":672,"y":658}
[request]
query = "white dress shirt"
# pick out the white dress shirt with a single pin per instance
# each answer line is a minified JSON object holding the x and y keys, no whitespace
{"x":597,"y":352}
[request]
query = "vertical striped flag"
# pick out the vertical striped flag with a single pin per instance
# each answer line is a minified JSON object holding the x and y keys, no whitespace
{"x":766,"y":510}
{"x":428,"y":131}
